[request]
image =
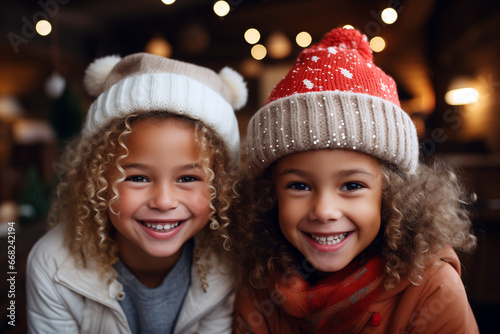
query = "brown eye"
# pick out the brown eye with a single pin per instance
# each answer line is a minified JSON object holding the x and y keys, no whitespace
{"x":187,"y":179}
{"x":352,"y":186}
{"x":298,"y":186}
{"x":137,"y":179}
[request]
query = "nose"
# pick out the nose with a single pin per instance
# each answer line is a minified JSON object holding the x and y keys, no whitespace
{"x":326,"y":207}
{"x":163,"y":197}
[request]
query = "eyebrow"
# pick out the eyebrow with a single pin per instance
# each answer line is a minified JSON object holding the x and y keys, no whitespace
{"x":344,"y":173}
{"x":134,"y":165}
{"x":180,"y":168}
{"x":349,"y":172}
{"x":292,"y":171}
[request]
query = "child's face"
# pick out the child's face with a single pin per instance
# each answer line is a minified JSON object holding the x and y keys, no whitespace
{"x":164,"y":200}
{"x":329,"y":204}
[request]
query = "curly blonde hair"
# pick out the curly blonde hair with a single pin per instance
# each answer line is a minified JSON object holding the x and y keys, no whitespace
{"x":85,"y":192}
{"x":421,"y":214}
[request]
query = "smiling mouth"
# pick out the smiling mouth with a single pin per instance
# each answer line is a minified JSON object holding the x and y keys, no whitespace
{"x":329,"y":240}
{"x":161,"y":227}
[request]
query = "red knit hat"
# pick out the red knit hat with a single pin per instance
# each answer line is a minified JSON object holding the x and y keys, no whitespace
{"x":342,"y":61}
{"x":334,"y":97}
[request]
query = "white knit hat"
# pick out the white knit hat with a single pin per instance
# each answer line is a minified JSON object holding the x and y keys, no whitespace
{"x":144,"y":82}
{"x":333,"y":97}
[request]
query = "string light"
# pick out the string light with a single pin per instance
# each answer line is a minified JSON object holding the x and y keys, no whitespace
{"x":389,"y":15}
{"x":303,"y":39}
{"x":221,"y":8}
{"x":43,"y":27}
{"x":252,"y":36}
{"x":377,"y":44}
{"x":258,"y":51}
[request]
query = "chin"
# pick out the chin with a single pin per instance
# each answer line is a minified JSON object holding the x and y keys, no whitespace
{"x":327,"y":266}
{"x":329,"y":269}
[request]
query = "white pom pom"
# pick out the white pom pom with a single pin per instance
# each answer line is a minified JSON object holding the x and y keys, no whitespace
{"x":97,"y":72}
{"x":237,"y":86}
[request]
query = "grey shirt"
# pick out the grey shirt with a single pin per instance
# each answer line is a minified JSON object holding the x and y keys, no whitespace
{"x":156,"y":310}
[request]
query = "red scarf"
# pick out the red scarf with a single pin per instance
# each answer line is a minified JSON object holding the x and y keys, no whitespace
{"x":336,"y":302}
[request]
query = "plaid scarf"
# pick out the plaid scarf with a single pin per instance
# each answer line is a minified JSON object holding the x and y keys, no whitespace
{"x":336,"y":302}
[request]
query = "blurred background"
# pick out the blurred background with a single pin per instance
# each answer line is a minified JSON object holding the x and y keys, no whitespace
{"x":443,"y":54}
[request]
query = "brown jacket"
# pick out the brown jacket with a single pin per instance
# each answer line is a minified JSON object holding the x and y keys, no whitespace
{"x":438,"y":305}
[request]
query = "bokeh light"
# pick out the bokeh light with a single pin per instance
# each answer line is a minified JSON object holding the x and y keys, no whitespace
{"x":461,"y":96}
{"x":258,"y":51}
{"x":303,"y":39}
{"x":43,"y":27}
{"x":278,"y":45}
{"x":389,"y":15}
{"x":221,"y":8}
{"x":377,"y":44}
{"x":252,"y":36}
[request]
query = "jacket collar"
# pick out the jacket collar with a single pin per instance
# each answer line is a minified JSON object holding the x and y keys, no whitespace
{"x":198,"y":303}
{"x":88,"y":284}
{"x":446,"y":255}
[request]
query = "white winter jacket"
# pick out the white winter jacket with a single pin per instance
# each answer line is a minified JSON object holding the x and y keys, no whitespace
{"x":63,"y":297}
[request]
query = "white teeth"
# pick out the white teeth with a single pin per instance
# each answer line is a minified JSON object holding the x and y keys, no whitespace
{"x":160,"y":227}
{"x":330,"y":240}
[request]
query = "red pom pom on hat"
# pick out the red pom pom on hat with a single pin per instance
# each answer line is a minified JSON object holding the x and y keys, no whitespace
{"x":348,"y":39}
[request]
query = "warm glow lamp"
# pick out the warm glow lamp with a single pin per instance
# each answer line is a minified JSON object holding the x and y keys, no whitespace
{"x":461,"y":91}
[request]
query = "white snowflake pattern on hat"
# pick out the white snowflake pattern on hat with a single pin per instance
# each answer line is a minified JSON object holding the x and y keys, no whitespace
{"x":346,"y":73}
{"x":332,"y":50}
{"x":308,"y":84}
{"x":383,"y":86}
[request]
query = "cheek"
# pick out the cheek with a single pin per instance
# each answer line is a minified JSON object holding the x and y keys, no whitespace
{"x":372,"y":213}
{"x":117,"y":210}
{"x":200,"y":201}
{"x":121,"y":200}
{"x":124,"y":203}
{"x":117,"y":214}
{"x":289,"y":213}
{"x":370,"y":209}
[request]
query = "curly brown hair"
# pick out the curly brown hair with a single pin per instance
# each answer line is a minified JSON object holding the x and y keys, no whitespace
{"x":421,"y":214}
{"x":86,"y":192}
